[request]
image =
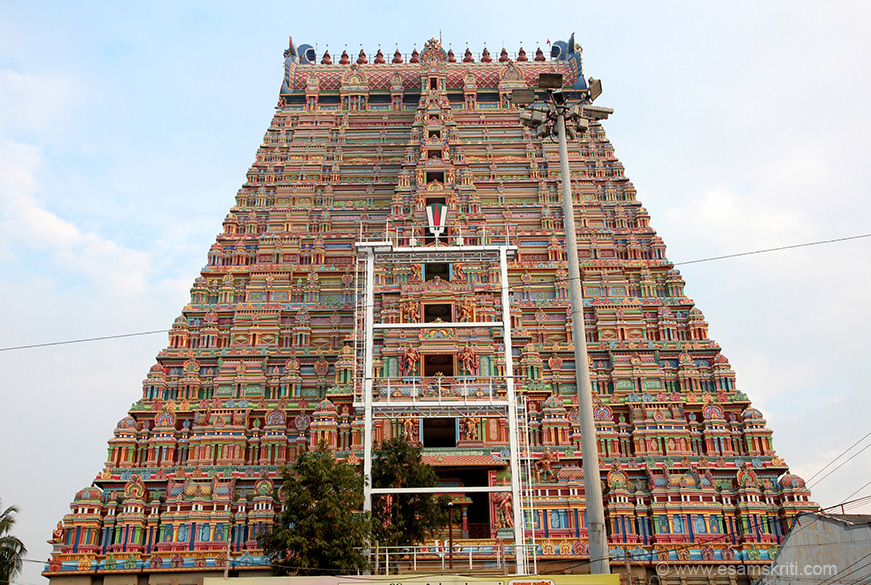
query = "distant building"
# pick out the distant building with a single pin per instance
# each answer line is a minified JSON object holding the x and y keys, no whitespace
{"x":823,"y":548}
{"x":425,"y":152}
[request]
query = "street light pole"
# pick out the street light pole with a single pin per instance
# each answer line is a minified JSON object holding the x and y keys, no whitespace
{"x":595,"y":512}
{"x":451,"y":533}
{"x":557,"y":113}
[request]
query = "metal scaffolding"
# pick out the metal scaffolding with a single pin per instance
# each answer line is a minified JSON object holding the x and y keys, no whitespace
{"x":383,"y":397}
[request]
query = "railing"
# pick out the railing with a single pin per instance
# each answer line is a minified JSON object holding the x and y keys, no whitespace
{"x":452,"y":390}
{"x":466,"y":557}
{"x":441,"y":388}
{"x":491,"y":233}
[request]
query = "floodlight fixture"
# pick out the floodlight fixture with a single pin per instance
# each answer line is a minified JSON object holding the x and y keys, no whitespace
{"x":542,"y":131}
{"x":559,"y":97}
{"x":523,"y":97}
{"x":597,"y":112}
{"x":574,"y":111}
{"x":526,"y":118}
{"x":550,"y":80}
{"x":532,"y":118}
{"x":595,"y":86}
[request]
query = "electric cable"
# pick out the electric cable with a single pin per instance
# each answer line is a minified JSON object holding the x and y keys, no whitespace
{"x":847,"y":450}
{"x":710,"y":259}
{"x":50,"y":343}
{"x":803,"y":245}
{"x":841,"y":465}
{"x":859,"y":502}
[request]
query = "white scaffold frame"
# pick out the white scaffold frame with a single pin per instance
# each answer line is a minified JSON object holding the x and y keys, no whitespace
{"x":384,"y":251}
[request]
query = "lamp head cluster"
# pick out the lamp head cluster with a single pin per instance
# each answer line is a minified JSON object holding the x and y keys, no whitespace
{"x":541,"y":117}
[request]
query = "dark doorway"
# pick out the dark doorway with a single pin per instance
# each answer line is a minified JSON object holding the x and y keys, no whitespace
{"x":479,"y":510}
{"x":433,"y":312}
{"x":440,"y":269}
{"x":435,"y":364}
{"x":439,"y":432}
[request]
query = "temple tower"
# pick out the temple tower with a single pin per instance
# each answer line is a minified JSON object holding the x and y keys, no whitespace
{"x":394,"y":265}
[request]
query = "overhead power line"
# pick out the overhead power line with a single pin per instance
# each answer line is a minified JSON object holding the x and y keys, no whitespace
{"x":832,"y":462}
{"x":843,"y":463}
{"x":84,"y":340}
{"x":711,"y":259}
{"x":857,"y":491}
{"x":804,"y":245}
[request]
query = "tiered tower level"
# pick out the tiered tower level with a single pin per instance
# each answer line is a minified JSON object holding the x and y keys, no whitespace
{"x":265,"y":360}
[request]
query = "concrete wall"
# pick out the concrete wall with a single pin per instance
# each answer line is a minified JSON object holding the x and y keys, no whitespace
{"x":820,"y":547}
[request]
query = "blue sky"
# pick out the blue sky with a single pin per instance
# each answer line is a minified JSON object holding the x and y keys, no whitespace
{"x":126,"y":130}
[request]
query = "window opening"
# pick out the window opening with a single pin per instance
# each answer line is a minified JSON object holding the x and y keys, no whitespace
{"x":439,"y":432}
{"x":440,"y":364}
{"x":436,"y":269}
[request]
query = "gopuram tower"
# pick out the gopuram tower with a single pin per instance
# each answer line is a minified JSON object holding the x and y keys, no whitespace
{"x":395,"y":265}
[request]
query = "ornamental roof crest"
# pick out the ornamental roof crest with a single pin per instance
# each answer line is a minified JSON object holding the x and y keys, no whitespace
{"x":510,"y":76}
{"x":135,"y":489}
{"x":355,"y":79}
{"x":433,"y":53}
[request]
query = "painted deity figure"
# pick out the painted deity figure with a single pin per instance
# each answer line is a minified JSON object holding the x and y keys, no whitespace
{"x":348,"y":287}
{"x":466,"y":310}
{"x":408,"y":429}
{"x":543,"y":467}
{"x":410,"y":311}
{"x":470,"y":428}
{"x":410,"y":358}
{"x":506,"y":506}
{"x":468,"y":360}
{"x":57,"y":535}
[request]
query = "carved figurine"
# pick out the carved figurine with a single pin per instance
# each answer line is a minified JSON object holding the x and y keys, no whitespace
{"x":543,"y":467}
{"x":408,"y":429}
{"x":468,"y":360}
{"x":57,"y":535}
{"x":470,"y":429}
{"x":466,"y":310}
{"x":410,"y":312}
{"x":506,"y":507}
{"x":409,"y":361}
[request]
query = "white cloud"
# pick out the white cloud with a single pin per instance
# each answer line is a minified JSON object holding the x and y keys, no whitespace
{"x":27,"y":224}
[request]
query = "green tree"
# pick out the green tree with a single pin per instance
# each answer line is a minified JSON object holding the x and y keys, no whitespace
{"x":404,"y":519}
{"x":322,"y":528}
{"x":12,"y":550}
